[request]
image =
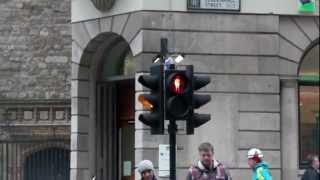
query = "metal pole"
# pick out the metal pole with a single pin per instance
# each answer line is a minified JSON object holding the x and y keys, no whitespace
{"x":164,"y":49}
{"x":172,"y":129}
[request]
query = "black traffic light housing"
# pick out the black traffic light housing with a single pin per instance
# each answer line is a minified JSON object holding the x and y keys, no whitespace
{"x":178,"y":93}
{"x":173,"y":97}
{"x":154,"y":100}
{"x":194,"y":119}
{"x":181,"y":98}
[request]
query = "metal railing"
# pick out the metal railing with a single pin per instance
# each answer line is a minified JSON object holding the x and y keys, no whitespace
{"x":34,"y":160}
{"x":193,"y":4}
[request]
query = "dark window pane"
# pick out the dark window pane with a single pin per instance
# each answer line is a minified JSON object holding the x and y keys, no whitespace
{"x":309,"y":121}
{"x":310,"y":65}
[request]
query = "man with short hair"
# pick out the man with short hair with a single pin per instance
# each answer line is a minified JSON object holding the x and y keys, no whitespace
{"x":207,"y":168}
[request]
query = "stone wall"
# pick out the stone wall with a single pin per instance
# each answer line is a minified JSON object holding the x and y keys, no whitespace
{"x":35,"y":68}
{"x":35,"y":49}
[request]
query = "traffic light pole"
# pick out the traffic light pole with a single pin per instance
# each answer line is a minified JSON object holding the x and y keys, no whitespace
{"x":163,"y":49}
{"x":172,"y":129}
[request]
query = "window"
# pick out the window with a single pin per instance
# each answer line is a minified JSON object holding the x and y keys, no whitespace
{"x":12,"y":114}
{"x":129,"y":65}
{"x":309,"y":105}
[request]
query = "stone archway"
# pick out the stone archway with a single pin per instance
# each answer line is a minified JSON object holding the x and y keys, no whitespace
{"x":91,"y":41}
{"x":308,"y":96}
{"x":28,"y":150}
{"x":296,"y":36}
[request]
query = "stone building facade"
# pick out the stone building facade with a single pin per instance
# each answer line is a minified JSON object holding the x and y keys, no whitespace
{"x":252,"y":57}
{"x":35,"y":62}
{"x":253,"y":61}
{"x":35,"y":49}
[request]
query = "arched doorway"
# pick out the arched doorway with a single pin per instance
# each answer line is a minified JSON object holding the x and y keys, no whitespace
{"x":309,"y":122}
{"x":115,"y":114}
{"x":102,"y":140}
{"x":48,"y":164}
{"x":301,"y":34}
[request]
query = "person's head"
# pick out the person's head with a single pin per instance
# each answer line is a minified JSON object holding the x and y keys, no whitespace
{"x":147,"y":175}
{"x":146,"y":169}
{"x":254,"y":156}
{"x":313,"y":161}
{"x":206,"y":153}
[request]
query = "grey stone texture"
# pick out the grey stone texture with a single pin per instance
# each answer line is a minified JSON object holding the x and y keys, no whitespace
{"x":259,"y":121}
{"x":79,"y":72}
{"x":81,"y":34}
{"x":292,"y":32}
{"x":105,"y":24}
{"x":290,"y":129}
{"x":93,"y":28}
{"x":211,"y":22}
{"x":82,"y":90}
{"x":119,"y":23}
{"x":79,"y":106}
{"x":289,"y":51}
{"x":262,"y":140}
{"x":225,"y":43}
{"x":309,"y":26}
{"x":78,"y":159}
{"x":79,"y":142}
{"x":79,"y":124}
{"x":35,"y":49}
{"x":259,"y":102}
{"x":34,"y":112}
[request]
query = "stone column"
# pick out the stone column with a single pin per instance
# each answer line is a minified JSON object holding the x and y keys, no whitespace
{"x":289,"y":129}
{"x":80,"y":124}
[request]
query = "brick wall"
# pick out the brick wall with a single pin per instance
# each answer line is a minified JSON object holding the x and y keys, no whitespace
{"x":35,"y":49}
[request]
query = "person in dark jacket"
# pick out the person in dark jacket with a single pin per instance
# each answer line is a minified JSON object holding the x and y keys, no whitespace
{"x":146,"y":170}
{"x":312,"y":173}
{"x":207,"y":168}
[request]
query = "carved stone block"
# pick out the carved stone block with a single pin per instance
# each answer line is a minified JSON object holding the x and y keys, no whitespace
{"x":103,"y":5}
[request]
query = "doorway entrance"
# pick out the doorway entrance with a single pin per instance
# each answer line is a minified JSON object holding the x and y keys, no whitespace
{"x":115,"y":129}
{"x":101,"y":124}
